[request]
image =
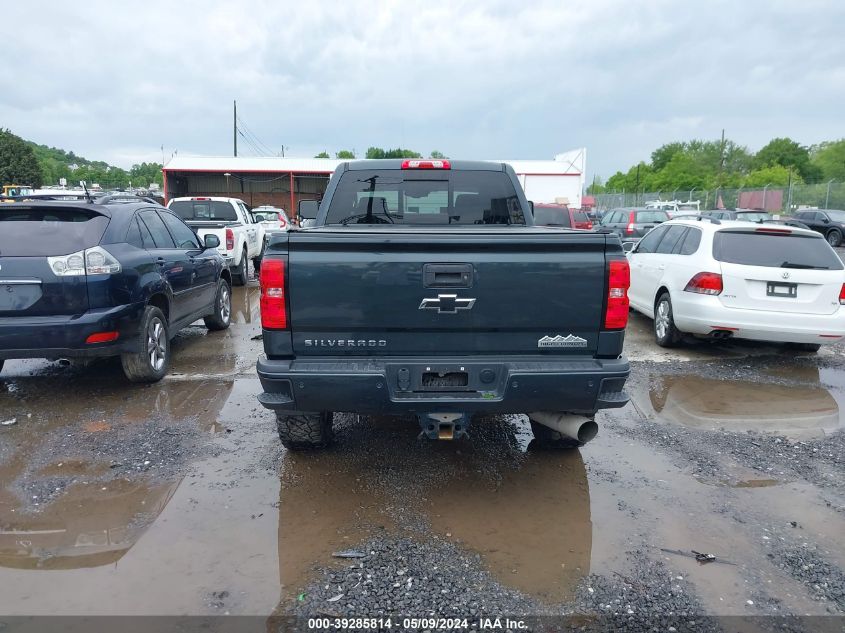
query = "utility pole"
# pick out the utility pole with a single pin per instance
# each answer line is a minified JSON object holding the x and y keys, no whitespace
{"x":235,"y":126}
{"x":721,"y":161}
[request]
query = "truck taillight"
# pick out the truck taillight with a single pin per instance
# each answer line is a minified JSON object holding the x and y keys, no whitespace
{"x":230,"y":240}
{"x":273,"y":299}
{"x":630,"y":228}
{"x":426,"y":164}
{"x":618,"y":282}
{"x":705,"y":284}
{"x":842,"y":295}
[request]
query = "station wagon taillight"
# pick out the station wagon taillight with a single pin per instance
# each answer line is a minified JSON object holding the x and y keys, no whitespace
{"x":230,"y":240}
{"x":705,"y":284}
{"x":618,"y":282}
{"x":273,"y":296}
{"x":630,"y":227}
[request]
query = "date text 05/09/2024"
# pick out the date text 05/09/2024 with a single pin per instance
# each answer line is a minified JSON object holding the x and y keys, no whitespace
{"x":413,"y":624}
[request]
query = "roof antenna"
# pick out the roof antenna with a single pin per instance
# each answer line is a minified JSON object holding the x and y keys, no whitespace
{"x":85,"y":187}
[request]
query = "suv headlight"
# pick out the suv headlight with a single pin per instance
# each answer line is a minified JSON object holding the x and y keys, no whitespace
{"x":91,"y":261}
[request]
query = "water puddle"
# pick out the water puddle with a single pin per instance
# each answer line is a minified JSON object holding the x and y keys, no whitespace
{"x":801,"y":410}
{"x":527,"y":513}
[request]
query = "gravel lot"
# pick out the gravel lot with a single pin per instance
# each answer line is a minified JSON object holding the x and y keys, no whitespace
{"x":176,"y":499}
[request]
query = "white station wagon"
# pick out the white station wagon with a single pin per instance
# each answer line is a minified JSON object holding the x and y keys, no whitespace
{"x":747,"y":280}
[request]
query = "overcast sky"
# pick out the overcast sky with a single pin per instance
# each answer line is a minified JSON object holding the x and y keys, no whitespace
{"x":118,"y":80}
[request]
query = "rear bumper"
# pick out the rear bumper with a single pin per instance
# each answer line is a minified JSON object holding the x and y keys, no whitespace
{"x":64,"y":336}
{"x":699,"y":314}
{"x":393,"y":385}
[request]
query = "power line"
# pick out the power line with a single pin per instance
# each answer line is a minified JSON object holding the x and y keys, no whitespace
{"x":254,"y":137}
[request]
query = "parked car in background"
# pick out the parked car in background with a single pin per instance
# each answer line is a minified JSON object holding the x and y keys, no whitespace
{"x":747,"y":215}
{"x":548,"y":214}
{"x":241,"y":237}
{"x":828,"y":222}
{"x":271,"y":218}
{"x":632,"y":224}
{"x":100,"y":278}
{"x":738,"y":279}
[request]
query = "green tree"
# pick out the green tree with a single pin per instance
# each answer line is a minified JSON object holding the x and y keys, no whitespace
{"x":377,"y":153}
{"x":829,"y":159}
{"x":323,"y":154}
{"x":145,"y":174}
{"x":345,"y":154}
{"x":663,"y":154}
{"x":18,"y":163}
{"x":436,"y":154}
{"x":787,"y":153}
{"x":776,"y":175}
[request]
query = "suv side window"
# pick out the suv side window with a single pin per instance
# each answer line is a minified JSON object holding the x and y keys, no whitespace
{"x":182,"y":235}
{"x":652,"y":239}
{"x":159,"y":232}
{"x":133,"y":235}
{"x":670,"y":240}
{"x":691,"y":241}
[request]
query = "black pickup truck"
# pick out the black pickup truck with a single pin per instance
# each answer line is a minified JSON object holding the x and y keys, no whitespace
{"x":422,"y":287}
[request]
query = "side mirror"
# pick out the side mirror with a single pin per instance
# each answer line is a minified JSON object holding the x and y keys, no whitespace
{"x":628,"y":247}
{"x":308,"y":209}
{"x":212,"y":241}
{"x":531,"y":207}
{"x":825,"y":220}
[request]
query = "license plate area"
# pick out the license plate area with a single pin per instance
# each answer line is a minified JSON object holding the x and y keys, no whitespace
{"x":780,"y":289}
{"x":444,"y":380}
{"x":16,"y":296}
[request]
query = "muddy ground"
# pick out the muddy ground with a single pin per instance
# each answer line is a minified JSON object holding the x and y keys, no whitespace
{"x":177,"y":499}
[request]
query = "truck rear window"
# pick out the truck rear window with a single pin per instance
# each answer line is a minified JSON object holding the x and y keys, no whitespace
{"x":431,"y":197}
{"x":32,"y":231}
{"x":204,"y":210}
{"x":552,"y":216}
{"x":774,"y":250}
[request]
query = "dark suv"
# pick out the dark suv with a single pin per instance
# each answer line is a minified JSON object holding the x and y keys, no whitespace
{"x":828,"y":222}
{"x":105,"y":277}
{"x":632,"y":224}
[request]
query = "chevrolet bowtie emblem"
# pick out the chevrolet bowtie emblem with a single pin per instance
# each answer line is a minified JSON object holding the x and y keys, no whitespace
{"x":447,"y":304}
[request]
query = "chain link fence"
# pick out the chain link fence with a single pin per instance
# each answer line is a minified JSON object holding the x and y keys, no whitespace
{"x":830,"y":195}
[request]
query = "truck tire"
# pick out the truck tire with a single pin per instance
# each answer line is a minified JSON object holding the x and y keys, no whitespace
{"x":153,"y":361}
{"x":222,"y":315}
{"x":549,"y":438}
{"x":256,"y":261}
{"x":665,"y":332}
{"x":241,"y":271}
{"x":305,"y":431}
{"x":834,"y":237}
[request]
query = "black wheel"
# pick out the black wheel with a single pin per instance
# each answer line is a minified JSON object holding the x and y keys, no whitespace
{"x":549,"y":438}
{"x":834,"y":237}
{"x":222,"y":315}
{"x":305,"y":431}
{"x":665,"y":332}
{"x":239,"y":274}
{"x":805,"y":347}
{"x":256,"y":261}
{"x":153,"y":361}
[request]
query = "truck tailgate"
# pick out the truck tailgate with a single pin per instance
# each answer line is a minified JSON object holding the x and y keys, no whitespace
{"x":450,"y":290}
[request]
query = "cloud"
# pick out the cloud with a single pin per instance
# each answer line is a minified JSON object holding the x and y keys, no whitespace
{"x":116,"y":81}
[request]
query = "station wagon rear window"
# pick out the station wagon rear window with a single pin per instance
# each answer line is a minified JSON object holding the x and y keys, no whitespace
{"x":204,"y":210}
{"x":392,"y":196}
{"x":774,"y":250}
{"x":39,"y":231}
